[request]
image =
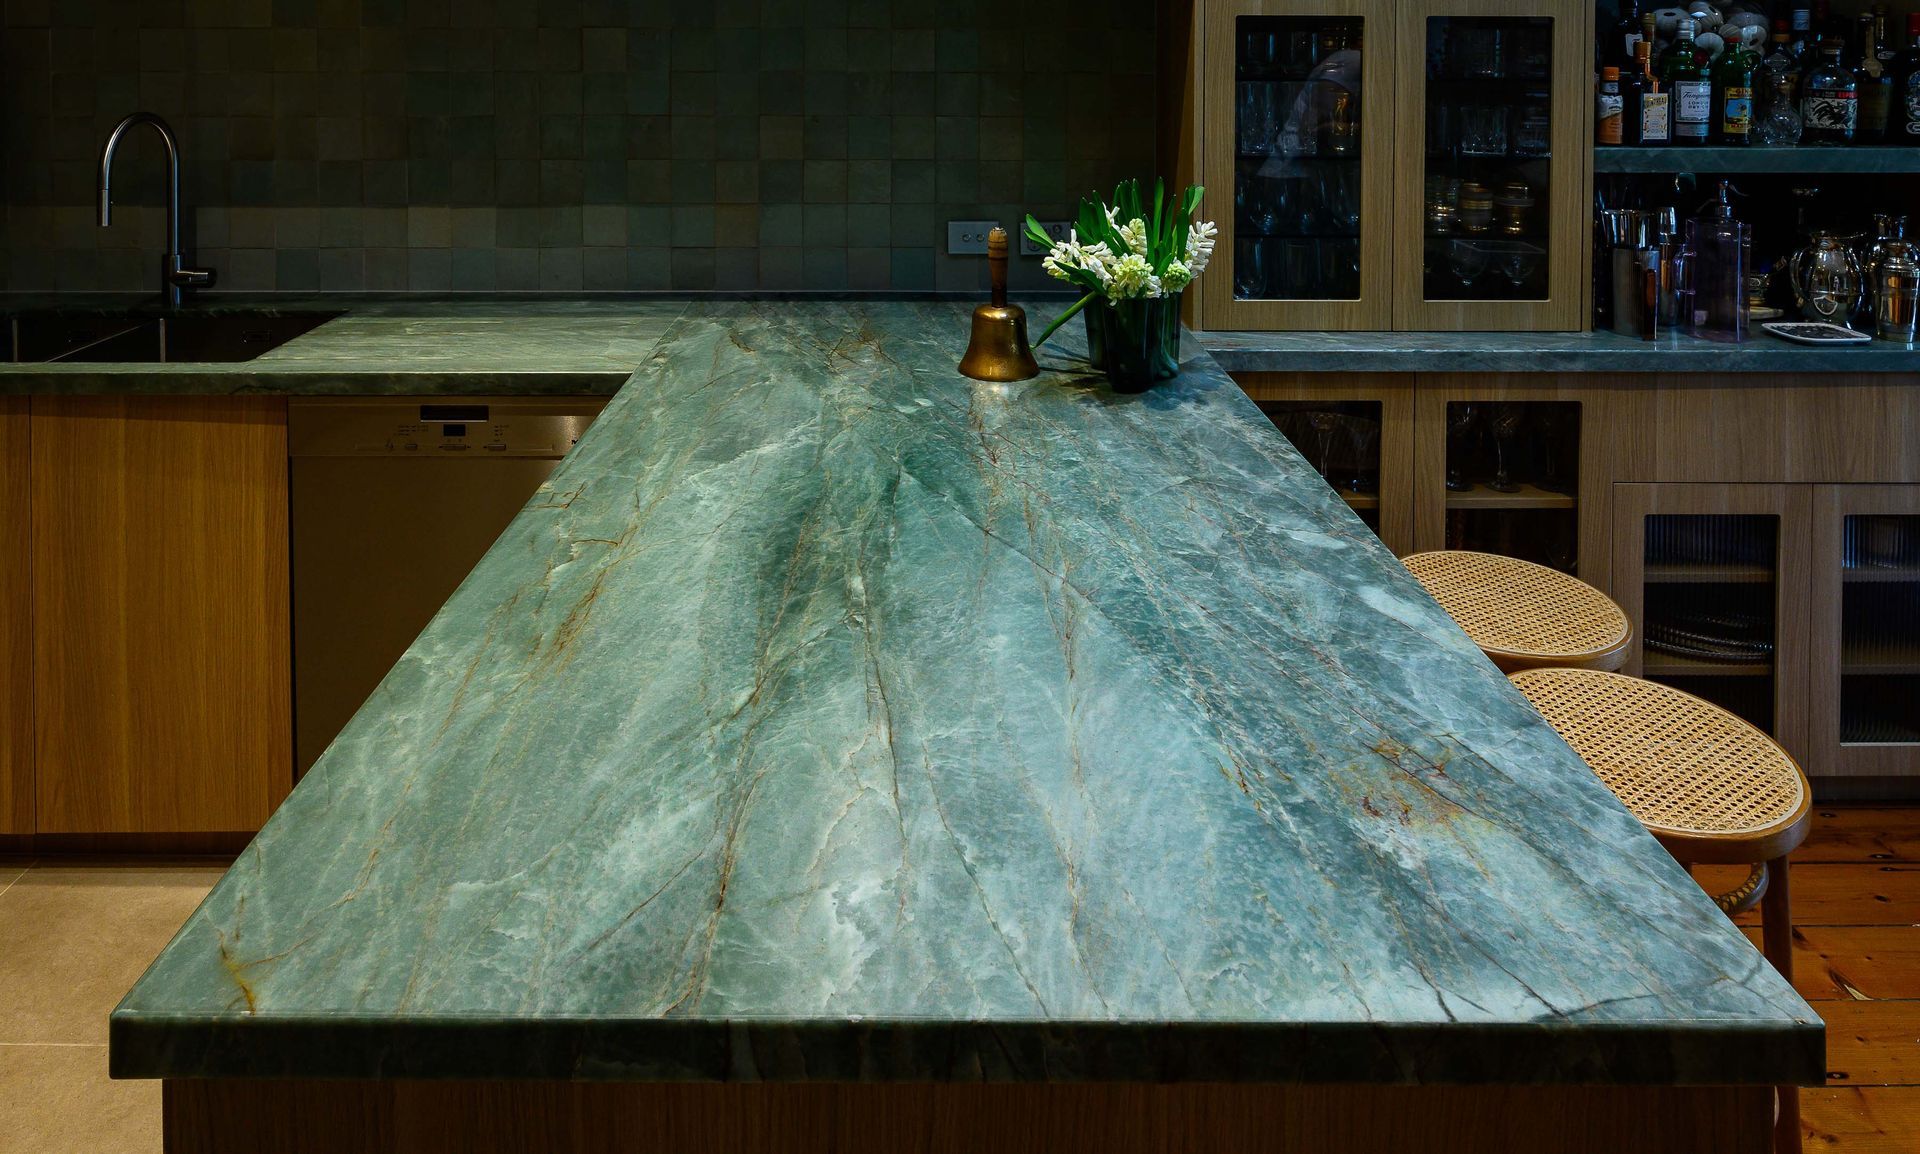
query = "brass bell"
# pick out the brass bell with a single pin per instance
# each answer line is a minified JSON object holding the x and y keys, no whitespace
{"x":998,"y":349}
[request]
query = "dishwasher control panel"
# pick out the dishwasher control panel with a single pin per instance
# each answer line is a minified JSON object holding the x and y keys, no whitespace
{"x":439,"y":428}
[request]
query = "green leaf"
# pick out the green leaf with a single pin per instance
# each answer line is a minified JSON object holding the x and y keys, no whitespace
{"x":1037,"y":234}
{"x":1064,"y":317}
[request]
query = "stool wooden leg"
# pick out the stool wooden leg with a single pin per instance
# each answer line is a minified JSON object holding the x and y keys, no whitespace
{"x":1776,"y":932}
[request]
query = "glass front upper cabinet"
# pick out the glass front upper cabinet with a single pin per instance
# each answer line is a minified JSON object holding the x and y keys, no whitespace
{"x":1297,"y":176}
{"x":1492,"y":219}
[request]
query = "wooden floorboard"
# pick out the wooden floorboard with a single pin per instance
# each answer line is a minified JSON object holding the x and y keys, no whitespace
{"x":1862,"y":833}
{"x":1861,"y":1119}
{"x":1872,"y":1043}
{"x":1841,"y":893}
{"x":1854,"y":962}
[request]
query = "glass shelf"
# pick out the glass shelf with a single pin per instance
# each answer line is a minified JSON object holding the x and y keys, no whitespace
{"x":1709,"y":611}
{"x":1512,"y":479}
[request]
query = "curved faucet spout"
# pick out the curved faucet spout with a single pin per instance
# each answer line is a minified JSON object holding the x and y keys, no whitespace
{"x":175,"y":276}
{"x":173,"y":173}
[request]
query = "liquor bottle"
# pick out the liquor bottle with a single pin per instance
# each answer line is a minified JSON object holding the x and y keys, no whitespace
{"x":1733,"y":78}
{"x":1886,"y":49}
{"x":1627,"y":31}
{"x":1905,"y":117}
{"x":1802,"y":27}
{"x":1608,"y":109}
{"x":1685,"y":74}
{"x":1830,"y":105}
{"x":1875,"y":87}
{"x":1654,"y":125}
{"x":1634,"y":85}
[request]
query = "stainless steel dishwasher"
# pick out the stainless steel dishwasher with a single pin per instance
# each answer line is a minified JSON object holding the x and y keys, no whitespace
{"x":394,"y":502}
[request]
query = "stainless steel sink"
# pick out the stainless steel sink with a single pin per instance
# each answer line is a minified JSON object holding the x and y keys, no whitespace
{"x":186,"y":337}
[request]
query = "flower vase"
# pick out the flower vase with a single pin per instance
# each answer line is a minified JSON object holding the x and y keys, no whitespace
{"x":1138,"y":341}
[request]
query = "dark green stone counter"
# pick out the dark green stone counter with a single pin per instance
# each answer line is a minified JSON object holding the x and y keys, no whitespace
{"x":1601,"y":352}
{"x":398,"y":347}
{"x":830,"y":716}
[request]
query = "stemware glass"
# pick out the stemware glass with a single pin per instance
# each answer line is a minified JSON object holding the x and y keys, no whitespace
{"x":1468,"y":259}
{"x":1323,"y":423}
{"x":1251,"y":275}
{"x":1462,"y":416}
{"x":1506,"y":428}
{"x":1256,"y":116}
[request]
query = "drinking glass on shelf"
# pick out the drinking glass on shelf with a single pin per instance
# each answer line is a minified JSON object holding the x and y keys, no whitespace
{"x":1364,"y":433}
{"x":1483,"y":130}
{"x":1534,"y":134}
{"x":1468,"y":259}
{"x":1300,"y":269}
{"x":1255,"y":117}
{"x":1302,"y":52}
{"x":1461,"y":419}
{"x":1250,"y":272}
{"x":1506,"y":429}
{"x":1343,"y":204}
{"x":1323,"y":424}
{"x":1479,"y":51}
{"x":1517,"y":262}
{"x":1343,"y":124}
{"x":1259,"y":50}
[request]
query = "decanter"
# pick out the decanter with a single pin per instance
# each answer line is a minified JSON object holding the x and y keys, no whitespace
{"x":1781,"y":126}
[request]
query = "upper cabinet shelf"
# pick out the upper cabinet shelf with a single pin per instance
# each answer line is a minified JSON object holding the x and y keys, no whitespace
{"x":1810,"y":159}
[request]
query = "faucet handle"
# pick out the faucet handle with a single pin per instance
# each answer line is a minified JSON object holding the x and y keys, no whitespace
{"x":179,"y":276}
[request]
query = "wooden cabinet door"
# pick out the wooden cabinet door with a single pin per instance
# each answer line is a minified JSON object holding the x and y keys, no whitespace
{"x":1494,"y":93}
{"x":1296,"y":115}
{"x":16,"y":621}
{"x":1715,"y":579}
{"x":1865,"y":607}
{"x":162,"y":679}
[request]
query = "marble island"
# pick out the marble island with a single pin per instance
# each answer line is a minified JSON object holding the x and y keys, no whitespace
{"x":829,"y":717}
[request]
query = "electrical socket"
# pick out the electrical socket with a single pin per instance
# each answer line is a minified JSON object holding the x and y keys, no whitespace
{"x":968,"y":237}
{"x":1057,"y":229}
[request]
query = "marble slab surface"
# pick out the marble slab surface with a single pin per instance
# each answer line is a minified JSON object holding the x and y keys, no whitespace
{"x":402,"y":347}
{"x":830,"y":716}
{"x":1593,"y":352}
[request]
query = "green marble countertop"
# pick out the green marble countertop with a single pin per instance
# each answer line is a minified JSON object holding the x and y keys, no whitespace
{"x":396,"y":346}
{"x":1590,"y":352}
{"x":830,"y":716}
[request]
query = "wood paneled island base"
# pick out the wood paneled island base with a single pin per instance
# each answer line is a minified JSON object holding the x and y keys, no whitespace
{"x":237,"y":1116}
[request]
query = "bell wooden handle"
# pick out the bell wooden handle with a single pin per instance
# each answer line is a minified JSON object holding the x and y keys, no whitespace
{"x":997,"y":264}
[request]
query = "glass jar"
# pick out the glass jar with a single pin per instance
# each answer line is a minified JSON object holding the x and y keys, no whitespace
{"x":1476,"y":208}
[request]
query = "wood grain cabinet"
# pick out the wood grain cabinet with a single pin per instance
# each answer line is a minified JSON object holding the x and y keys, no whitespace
{"x":16,"y":619}
{"x":160,"y":613}
{"x":1865,"y":630}
{"x":1413,"y":165}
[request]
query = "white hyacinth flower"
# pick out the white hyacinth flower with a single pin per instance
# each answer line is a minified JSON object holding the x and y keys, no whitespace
{"x":1200,"y":238}
{"x":1134,"y":233}
{"x":1177,"y":276}
{"x":1133,"y":279}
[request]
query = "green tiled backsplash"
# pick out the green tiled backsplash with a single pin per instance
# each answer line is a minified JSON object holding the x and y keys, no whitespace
{"x":563,"y":145}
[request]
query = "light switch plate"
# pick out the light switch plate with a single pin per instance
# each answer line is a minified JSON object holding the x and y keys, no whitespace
{"x":968,"y":237}
{"x":1057,"y":229}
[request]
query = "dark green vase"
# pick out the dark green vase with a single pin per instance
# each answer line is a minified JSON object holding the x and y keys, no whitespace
{"x":1136,"y":343}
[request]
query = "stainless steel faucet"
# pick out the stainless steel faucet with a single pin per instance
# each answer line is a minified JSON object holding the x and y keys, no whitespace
{"x":175,"y":276}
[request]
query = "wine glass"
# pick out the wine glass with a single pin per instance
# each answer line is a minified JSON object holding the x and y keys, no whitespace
{"x":1506,"y":428}
{"x":1323,"y":423}
{"x":1251,"y":273}
{"x":1467,"y":260}
{"x":1461,"y":418}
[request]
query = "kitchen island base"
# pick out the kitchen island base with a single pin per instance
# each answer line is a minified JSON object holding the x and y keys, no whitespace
{"x":241,"y":1116}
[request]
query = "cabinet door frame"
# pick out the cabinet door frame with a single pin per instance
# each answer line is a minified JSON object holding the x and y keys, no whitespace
{"x":1393,"y":392}
{"x":1570,"y":173}
{"x":1373,"y":309}
{"x":1434,"y":391}
{"x":16,"y":618}
{"x":1633,"y":502}
{"x":1832,"y":504}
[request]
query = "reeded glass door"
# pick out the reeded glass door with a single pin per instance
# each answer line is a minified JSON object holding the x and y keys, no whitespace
{"x":1490,"y":208}
{"x":1297,"y":163}
{"x":1866,"y":602}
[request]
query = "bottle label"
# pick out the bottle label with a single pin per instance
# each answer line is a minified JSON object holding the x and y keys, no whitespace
{"x":1912,"y":104}
{"x":1736,"y":111}
{"x":1692,"y":108}
{"x":1802,"y":19}
{"x":1831,"y":112}
{"x":1653,"y":118}
{"x":1632,"y":39}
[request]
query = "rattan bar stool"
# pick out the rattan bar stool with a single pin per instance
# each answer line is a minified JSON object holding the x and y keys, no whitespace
{"x":1525,"y":616}
{"x":1708,"y":786}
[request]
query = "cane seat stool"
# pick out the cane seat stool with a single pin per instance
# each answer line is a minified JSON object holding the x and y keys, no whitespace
{"x":1522,"y":615}
{"x":1710,"y":788}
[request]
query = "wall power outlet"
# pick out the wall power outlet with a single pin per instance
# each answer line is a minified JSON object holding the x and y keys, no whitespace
{"x":1057,"y":229}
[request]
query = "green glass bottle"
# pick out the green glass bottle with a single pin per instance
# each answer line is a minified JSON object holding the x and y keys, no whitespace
{"x":1684,"y":72}
{"x":1733,"y":81}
